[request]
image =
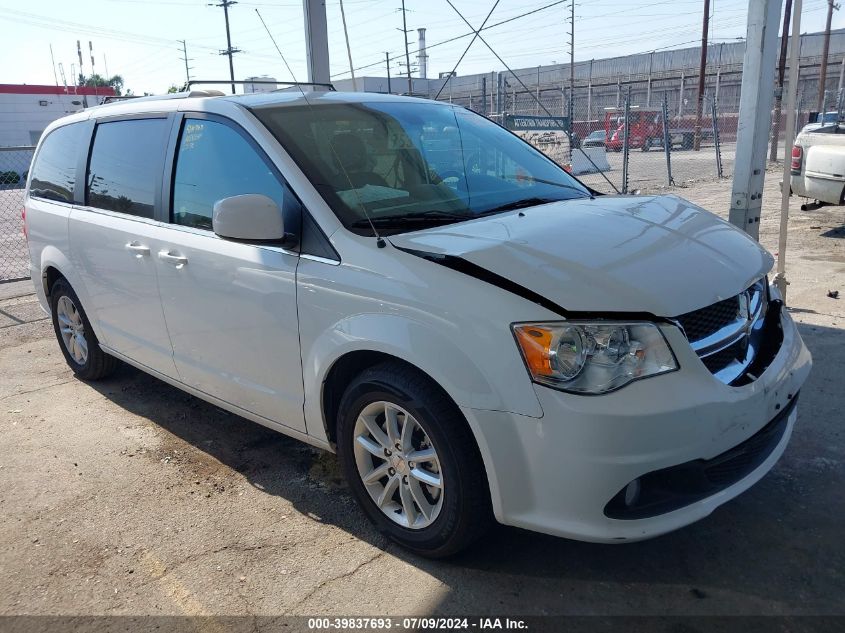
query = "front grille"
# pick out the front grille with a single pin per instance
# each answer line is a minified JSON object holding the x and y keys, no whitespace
{"x":727,"y":334}
{"x":719,"y":360}
{"x":700,"y":324}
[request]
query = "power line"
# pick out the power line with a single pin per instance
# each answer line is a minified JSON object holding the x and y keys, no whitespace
{"x":460,"y":37}
{"x":460,"y":59}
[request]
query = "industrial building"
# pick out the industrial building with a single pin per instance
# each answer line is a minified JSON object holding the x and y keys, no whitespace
{"x":604,"y":83}
{"x":26,"y":109}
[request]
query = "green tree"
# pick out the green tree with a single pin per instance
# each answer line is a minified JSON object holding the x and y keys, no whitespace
{"x":98,"y":81}
{"x":174,"y":88}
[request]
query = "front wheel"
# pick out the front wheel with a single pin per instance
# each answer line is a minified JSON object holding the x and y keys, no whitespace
{"x":412,"y":462}
{"x":76,"y":337}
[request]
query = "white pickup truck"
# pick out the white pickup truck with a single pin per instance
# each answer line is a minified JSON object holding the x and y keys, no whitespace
{"x":818,"y":164}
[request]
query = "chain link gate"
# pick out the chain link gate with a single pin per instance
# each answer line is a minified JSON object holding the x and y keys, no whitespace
{"x":14,"y":255}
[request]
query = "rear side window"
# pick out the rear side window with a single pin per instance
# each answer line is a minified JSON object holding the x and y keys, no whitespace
{"x":125,"y":166}
{"x":214,"y":162}
{"x":54,"y":171}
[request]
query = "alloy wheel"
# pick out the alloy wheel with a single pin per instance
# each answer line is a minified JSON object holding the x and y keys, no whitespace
{"x":72,"y":329}
{"x":398,"y":465}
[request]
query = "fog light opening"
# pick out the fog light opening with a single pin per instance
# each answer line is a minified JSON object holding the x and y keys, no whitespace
{"x":632,"y":493}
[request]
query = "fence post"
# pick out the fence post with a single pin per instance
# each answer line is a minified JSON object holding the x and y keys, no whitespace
{"x":716,"y":141}
{"x":626,"y":141}
{"x":667,"y":143}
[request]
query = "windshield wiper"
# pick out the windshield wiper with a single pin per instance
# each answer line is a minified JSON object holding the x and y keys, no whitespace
{"x":426,"y":217}
{"x":559,"y":184}
{"x":520,"y":204}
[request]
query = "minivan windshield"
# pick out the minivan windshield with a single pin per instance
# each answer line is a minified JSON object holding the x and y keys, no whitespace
{"x":407,"y":166}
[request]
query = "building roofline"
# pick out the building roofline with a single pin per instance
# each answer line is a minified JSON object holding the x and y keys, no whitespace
{"x":36,"y":89}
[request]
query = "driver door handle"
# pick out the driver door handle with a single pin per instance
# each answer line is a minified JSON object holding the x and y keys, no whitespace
{"x":172,"y":258}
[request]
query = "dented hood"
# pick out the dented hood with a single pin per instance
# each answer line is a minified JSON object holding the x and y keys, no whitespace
{"x":660,"y":255}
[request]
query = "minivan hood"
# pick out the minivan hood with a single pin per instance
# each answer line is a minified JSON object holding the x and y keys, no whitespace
{"x":659,"y":255}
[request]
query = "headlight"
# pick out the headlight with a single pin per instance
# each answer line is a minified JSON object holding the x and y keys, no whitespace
{"x":593,"y":358}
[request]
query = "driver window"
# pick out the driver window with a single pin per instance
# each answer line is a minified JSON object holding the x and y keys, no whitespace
{"x":214,"y":162}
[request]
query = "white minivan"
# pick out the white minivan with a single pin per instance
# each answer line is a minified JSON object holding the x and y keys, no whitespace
{"x":477,"y":334}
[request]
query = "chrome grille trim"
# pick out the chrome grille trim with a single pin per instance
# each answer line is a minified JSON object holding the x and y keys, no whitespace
{"x":743,"y":332}
{"x":735,"y":330}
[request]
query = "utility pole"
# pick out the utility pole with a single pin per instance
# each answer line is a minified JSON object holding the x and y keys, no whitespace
{"x":387,"y":65}
{"x":702,"y":69}
{"x":831,"y":5}
{"x":407,"y":54}
{"x":784,"y":40}
{"x":571,"y":63}
{"x":185,"y":58}
{"x":229,"y":50}
{"x":348,"y":48}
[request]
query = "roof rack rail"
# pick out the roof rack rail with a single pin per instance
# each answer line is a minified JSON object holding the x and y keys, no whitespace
{"x":112,"y":100}
{"x":228,"y":82}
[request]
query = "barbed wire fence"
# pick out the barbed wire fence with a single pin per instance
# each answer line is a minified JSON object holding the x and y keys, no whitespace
{"x":14,"y":256}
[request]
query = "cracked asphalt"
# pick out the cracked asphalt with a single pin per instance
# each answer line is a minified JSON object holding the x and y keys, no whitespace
{"x":131,"y":497}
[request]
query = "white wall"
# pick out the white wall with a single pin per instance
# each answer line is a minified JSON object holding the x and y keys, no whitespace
{"x":23,"y":118}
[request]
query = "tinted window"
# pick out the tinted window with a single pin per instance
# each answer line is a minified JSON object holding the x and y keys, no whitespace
{"x":216,"y":162}
{"x":126,"y":164}
{"x":54,"y":171}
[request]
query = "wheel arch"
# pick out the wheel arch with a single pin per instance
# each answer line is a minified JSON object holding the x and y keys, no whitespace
{"x":342,"y":372}
{"x":55,"y":265}
{"x":365,"y":339}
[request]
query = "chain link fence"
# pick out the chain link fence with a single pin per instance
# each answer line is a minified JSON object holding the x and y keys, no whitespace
{"x":14,"y":256}
{"x":634,"y":135}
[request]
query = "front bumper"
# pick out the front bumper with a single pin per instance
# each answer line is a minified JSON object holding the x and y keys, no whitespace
{"x":557,"y":474}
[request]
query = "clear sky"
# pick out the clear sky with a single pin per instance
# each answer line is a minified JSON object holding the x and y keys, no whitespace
{"x":138,"y":38}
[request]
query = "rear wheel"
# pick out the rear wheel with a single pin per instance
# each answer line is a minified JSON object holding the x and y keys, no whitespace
{"x":76,"y":338}
{"x":411,"y":461}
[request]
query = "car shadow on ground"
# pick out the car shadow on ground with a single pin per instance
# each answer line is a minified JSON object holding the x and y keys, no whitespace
{"x":775,"y":549}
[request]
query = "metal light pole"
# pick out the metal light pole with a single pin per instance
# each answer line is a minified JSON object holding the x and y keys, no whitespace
{"x":780,"y":277}
{"x":316,"y":41}
{"x":755,"y":114}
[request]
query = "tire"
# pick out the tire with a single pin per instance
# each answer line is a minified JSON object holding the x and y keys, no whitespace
{"x":70,"y":323}
{"x":459,"y":512}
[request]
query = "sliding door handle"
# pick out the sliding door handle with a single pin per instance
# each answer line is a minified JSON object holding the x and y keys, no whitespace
{"x":173,"y":258}
{"x":138,"y":249}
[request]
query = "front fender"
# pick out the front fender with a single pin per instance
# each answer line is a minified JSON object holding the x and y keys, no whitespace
{"x":414,"y":342}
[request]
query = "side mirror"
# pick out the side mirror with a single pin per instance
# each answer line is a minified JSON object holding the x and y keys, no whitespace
{"x":252,"y":217}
